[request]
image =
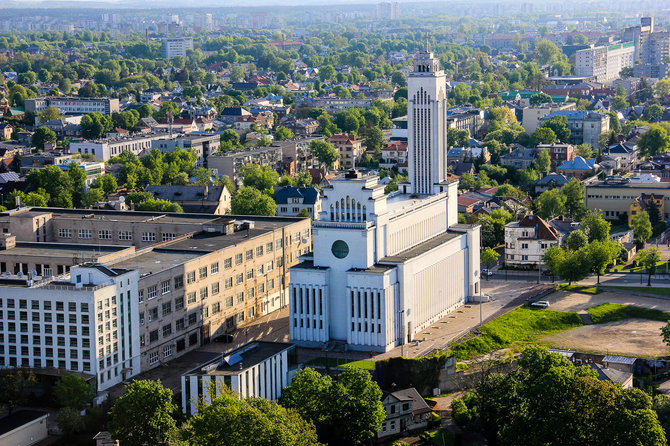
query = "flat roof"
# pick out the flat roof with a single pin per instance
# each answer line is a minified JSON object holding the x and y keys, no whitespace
{"x":421,"y":248}
{"x":240,"y":359}
{"x":42,"y":249}
{"x":630,"y":185}
{"x":19,"y":419}
{"x":155,"y":260}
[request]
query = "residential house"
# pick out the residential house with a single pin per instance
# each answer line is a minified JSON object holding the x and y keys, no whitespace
{"x":230,"y":114}
{"x":578,"y":167}
{"x":650,"y":203}
{"x":405,"y":411}
{"x":291,"y":201}
{"x":551,"y":181}
{"x":195,"y":199}
{"x":230,"y":163}
{"x":521,"y":158}
{"x":302,"y":127}
{"x":463,"y":167}
{"x":468,"y":205}
{"x":6,"y":130}
{"x":619,"y":157}
{"x":394,"y":155}
{"x":349,"y":147}
{"x":527,"y":239}
{"x":456,"y":154}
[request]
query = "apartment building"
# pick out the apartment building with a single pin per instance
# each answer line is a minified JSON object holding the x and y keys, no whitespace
{"x":604,"y":63}
{"x":558,"y":153}
{"x":84,"y":322}
{"x":349,"y":148}
{"x":230,"y":163}
{"x":105,"y":148}
{"x":333,"y":105}
{"x":465,"y":118}
{"x":176,"y":46}
{"x":296,"y":154}
{"x":203,"y":145}
{"x":585,"y":126}
{"x":652,"y":46}
{"x":526,"y":241}
{"x":69,"y":105}
{"x":198,"y":276}
{"x":532,"y":115}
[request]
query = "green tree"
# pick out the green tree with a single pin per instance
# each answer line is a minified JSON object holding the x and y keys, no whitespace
{"x":559,"y":125}
{"x":542,"y":162}
{"x":283,"y":133}
{"x":539,"y":99}
{"x":648,"y":259}
{"x":653,"y":113}
{"x":345,"y":412}
{"x":232,"y":421}
{"x":251,"y":201}
{"x":77,"y":181}
{"x":489,"y":257}
{"x":70,"y":421}
{"x":543,"y":135}
{"x":14,"y":386}
{"x":167,"y":108}
{"x":146,"y":111}
{"x":42,"y":136}
{"x":92,"y":196}
{"x":553,"y":257}
{"x":654,"y":141}
{"x":237,"y":74}
{"x":44,"y":75}
{"x":641,"y":226}
{"x":106,"y":182}
{"x":143,"y":415}
{"x":573,"y":191}
{"x":575,"y":266}
{"x":73,"y":391}
{"x":96,"y":125}
{"x":263,"y":178}
{"x":324,"y":152}
{"x":546,"y":51}
{"x":601,"y":254}
{"x":550,"y":203}
{"x":48,"y":114}
{"x":576,"y":240}
{"x":154,"y":205}
{"x":595,"y":226}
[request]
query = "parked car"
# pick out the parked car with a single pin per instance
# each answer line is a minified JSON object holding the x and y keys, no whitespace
{"x":487,"y":272}
{"x":540,"y":304}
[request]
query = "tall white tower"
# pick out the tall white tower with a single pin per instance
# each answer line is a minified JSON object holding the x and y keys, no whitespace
{"x":427,"y":124}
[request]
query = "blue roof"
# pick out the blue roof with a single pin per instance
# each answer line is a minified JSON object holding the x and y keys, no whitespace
{"x":308,"y":194}
{"x":579,"y":163}
{"x":557,"y":178}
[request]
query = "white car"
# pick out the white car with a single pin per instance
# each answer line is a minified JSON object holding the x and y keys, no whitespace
{"x":540,"y":304}
{"x":487,"y":272}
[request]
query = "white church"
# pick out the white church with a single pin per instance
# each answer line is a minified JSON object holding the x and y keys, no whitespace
{"x":385,"y":267}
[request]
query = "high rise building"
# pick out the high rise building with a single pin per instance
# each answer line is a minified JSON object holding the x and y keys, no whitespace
{"x":388,"y":10}
{"x":386,"y":266}
{"x":604,"y":63}
{"x":176,"y":46}
{"x":652,"y":48}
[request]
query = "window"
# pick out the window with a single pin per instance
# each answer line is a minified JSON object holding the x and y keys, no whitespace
{"x":214,"y":268}
{"x":84,"y":233}
{"x":239,"y":278}
{"x":239,"y":317}
{"x":229,"y":302}
{"x":228,"y":263}
{"x":167,"y":308}
{"x":240,"y":297}
{"x":202,"y":272}
{"x":215,"y":288}
{"x":260,"y":270}
{"x":167,"y":236}
{"x":125,"y":235}
{"x":168,"y":350}
{"x":270,"y":266}
{"x":250,"y":312}
{"x":152,"y":291}
{"x":228,"y":283}
{"x":153,"y":336}
{"x":148,"y":236}
{"x":261,"y":288}
{"x":268,"y":247}
{"x":279,"y":243}
{"x":250,"y":274}
{"x":153,"y":357}
{"x":179,"y":324}
{"x":238,"y":259}
{"x":216,"y":308}
{"x":165,"y":287}
{"x":179,"y":303}
{"x":105,"y":234}
{"x":178,"y":282}
{"x":204,"y":292}
{"x":192,"y":318}
{"x":190,"y":298}
{"x":250,"y":293}
{"x":271,"y":284}
{"x":64,"y":233}
{"x":140,"y":296}
{"x":142,"y":318}
{"x":167,"y":330}
{"x":249,"y":255}
{"x":259,"y":251}
{"x":153,"y":314}
{"x":190,"y":277}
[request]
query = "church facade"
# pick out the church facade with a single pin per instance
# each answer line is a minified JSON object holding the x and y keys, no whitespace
{"x":386,"y":266}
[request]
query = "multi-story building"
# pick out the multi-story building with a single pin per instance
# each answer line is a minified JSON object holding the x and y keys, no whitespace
{"x":194,"y":198}
{"x":532,"y":115}
{"x":387,"y":266}
{"x":605,"y":62}
{"x":69,"y":105}
{"x":388,"y":10}
{"x":614,"y":196}
{"x":394,"y":155}
{"x":106,"y":148}
{"x":176,"y":46}
{"x":296,"y":154}
{"x":558,"y":153}
{"x":526,"y":241}
{"x":585,"y":126}
{"x":83,"y":322}
{"x":465,"y":118}
{"x":333,"y":105}
{"x":349,"y":147}
{"x":651,"y":46}
{"x":203,"y":145}
{"x":230,"y":163}
{"x":197,"y":276}
{"x":255,"y":370}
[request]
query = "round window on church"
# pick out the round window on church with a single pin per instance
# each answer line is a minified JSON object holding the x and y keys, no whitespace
{"x":340,"y":249}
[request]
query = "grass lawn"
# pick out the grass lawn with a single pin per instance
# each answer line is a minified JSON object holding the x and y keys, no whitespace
{"x":612,"y":312}
{"x":579,"y":289}
{"x":342,"y":362}
{"x":440,"y":437}
{"x":522,"y":325}
{"x":643,"y":289}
